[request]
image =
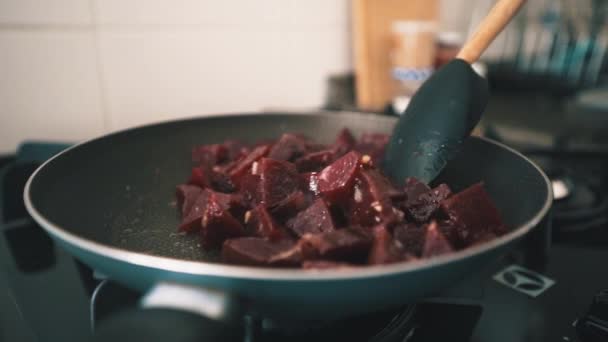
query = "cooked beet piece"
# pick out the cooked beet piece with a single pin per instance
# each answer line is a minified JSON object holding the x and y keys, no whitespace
{"x":373,"y":144}
{"x":254,"y":251}
{"x":278,"y":180}
{"x":235,"y":150}
{"x":370,"y":203}
{"x":260,"y":223}
{"x":290,"y":205}
{"x":336,"y":180}
{"x":234,"y":203}
{"x":473,"y":210}
{"x":381,"y":185}
{"x":314,"y":220}
{"x":325,"y":264}
{"x":347,"y":244}
{"x":199,"y":177}
{"x":244,"y":165}
{"x":315,"y":161}
{"x":384,"y":249}
{"x":288,"y":147}
{"x":186,"y":195}
{"x":344,"y":142}
{"x":451,"y":231}
{"x":426,"y":204}
{"x":191,"y":220}
{"x":414,"y":188}
{"x":208,"y":156}
{"x":250,"y":185}
{"x":435,"y":243}
{"x":411,"y":237}
{"x":221,"y":182}
{"x":217,"y":224}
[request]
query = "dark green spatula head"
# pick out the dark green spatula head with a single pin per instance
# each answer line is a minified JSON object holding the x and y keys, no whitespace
{"x":441,"y":114}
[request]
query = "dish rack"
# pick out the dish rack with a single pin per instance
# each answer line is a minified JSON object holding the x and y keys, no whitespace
{"x":553,"y":45}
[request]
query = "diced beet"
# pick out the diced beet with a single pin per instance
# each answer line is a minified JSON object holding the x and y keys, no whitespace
{"x":243,"y":165}
{"x":384,"y":249}
{"x":342,"y":244}
{"x":315,"y":161}
{"x":373,"y":144}
{"x":325,"y":264}
{"x":472,"y":209}
{"x":250,"y":188}
{"x":254,"y":251}
{"x":210,"y":155}
{"x":451,"y":231}
{"x":217,"y":224}
{"x":426,"y":204}
{"x":191,"y":221}
{"x":336,"y":180}
{"x":344,"y":142}
{"x":221,"y":182}
{"x":414,"y":188}
{"x":288,"y":148}
{"x":233,"y":203}
{"x":380,"y":185}
{"x":186,"y":195}
{"x":278,"y":179}
{"x":235,"y":150}
{"x":435,"y":243}
{"x":260,"y":223}
{"x":411,"y":237}
{"x":314,"y":220}
{"x":199,"y":177}
{"x":290,"y":205}
{"x":370,"y":203}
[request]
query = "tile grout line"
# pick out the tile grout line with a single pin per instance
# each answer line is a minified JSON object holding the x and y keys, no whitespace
{"x":107,"y":120}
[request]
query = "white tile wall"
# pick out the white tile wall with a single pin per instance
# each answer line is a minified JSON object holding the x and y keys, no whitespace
{"x":48,"y":86}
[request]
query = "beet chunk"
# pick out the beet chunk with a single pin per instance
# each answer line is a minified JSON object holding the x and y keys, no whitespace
{"x":243,"y":165}
{"x":254,"y":251}
{"x":426,"y":204}
{"x":370,"y":203}
{"x":290,"y":205}
{"x":344,"y":142}
{"x":314,"y":220}
{"x":277,"y":181}
{"x":414,"y":188}
{"x":435,"y":243}
{"x":199,"y":177}
{"x":384,"y":249}
{"x":186,"y":195}
{"x":260,"y":223}
{"x":315,"y":161}
{"x":324,"y":264}
{"x":472,"y":209}
{"x":191,"y":221}
{"x":288,"y":148}
{"x":208,"y":156}
{"x":347,"y":244}
{"x":411,"y":237}
{"x":373,"y":144}
{"x":217,"y":224}
{"x":336,"y":180}
{"x":235,"y":150}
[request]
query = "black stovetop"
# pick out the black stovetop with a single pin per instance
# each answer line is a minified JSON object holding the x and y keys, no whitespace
{"x":45,"y":295}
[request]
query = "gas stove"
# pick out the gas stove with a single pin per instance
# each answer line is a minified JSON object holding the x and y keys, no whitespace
{"x":46,"y":295}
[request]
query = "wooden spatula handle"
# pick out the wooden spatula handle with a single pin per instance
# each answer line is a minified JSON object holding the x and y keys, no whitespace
{"x":490,"y":27}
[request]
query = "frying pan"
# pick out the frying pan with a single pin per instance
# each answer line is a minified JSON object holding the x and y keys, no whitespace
{"x":108,"y":202}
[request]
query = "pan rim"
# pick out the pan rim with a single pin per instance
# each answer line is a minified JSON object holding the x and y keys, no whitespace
{"x":207,"y":269}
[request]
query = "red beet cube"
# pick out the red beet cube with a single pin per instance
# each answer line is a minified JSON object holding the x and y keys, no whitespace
{"x":199,"y":177}
{"x":260,"y":223}
{"x":336,"y":180}
{"x":191,"y":221}
{"x":208,"y":156}
{"x":473,"y":211}
{"x":290,"y":205}
{"x":243,"y":165}
{"x":278,"y":180}
{"x":384,"y":249}
{"x":288,"y":148}
{"x":421,"y":209}
{"x":342,"y":244}
{"x":315,"y":161}
{"x":314,"y":220}
{"x":186,"y":195}
{"x":410,"y":237}
{"x":371,"y":203}
{"x":217,"y":224}
{"x":345,"y":141}
{"x":435,"y":243}
{"x":254,"y":251}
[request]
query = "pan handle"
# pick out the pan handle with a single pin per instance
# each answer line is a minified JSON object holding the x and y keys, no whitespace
{"x":176,"y":312}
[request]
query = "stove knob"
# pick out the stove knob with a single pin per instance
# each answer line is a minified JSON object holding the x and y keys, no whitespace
{"x":594,"y":326}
